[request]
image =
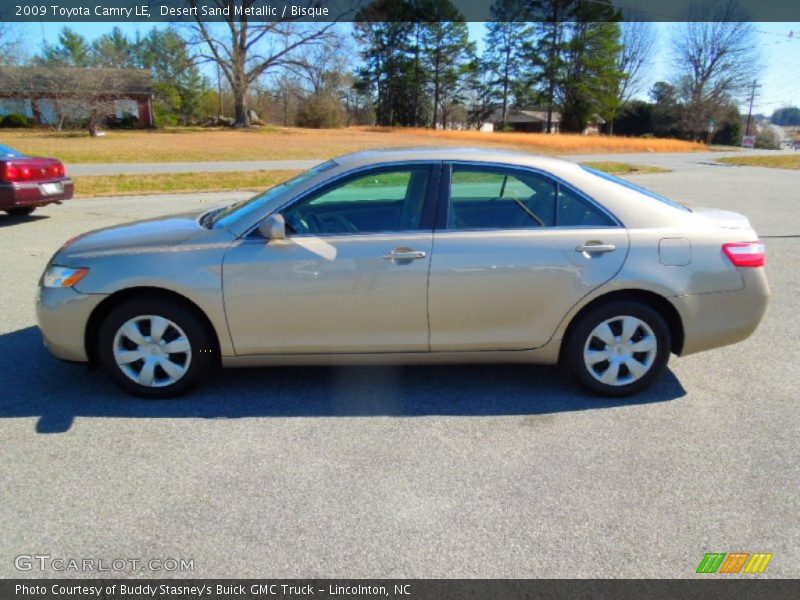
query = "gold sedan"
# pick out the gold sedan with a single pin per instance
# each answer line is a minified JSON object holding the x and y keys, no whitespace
{"x":411,"y":256}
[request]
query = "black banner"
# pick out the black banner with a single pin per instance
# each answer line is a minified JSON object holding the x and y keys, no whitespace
{"x":709,"y":588}
{"x":67,"y":11}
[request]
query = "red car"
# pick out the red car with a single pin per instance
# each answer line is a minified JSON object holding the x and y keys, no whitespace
{"x":30,"y":181}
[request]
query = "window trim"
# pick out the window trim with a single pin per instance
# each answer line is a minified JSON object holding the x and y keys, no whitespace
{"x":428,"y":207}
{"x":629,"y":185}
{"x":444,"y":198}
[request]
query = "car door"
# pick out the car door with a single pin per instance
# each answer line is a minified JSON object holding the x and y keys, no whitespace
{"x":350,"y":276}
{"x":513,"y":251}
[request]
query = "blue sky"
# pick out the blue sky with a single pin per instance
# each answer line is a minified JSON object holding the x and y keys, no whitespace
{"x":779,"y":45}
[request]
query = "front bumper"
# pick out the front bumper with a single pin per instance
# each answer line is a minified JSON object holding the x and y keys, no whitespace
{"x":63,"y":314}
{"x":30,"y":193}
{"x":722,"y":318}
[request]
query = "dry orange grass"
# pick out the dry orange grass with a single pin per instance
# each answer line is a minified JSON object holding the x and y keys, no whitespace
{"x":547,"y":143}
{"x":273,"y":143}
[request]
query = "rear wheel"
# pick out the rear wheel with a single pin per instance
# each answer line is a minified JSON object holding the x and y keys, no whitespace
{"x":618,"y":348}
{"x":20,"y":211}
{"x":155,"y":348}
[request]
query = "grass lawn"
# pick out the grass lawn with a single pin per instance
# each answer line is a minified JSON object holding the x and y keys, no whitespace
{"x":164,"y":183}
{"x":275,"y":143}
{"x":621,"y":168}
{"x":781,"y":161}
{"x":87,"y":186}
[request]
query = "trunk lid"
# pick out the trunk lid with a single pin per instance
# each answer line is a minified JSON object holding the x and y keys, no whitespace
{"x":724,"y":219}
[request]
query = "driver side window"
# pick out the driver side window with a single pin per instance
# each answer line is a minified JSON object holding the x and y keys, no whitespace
{"x":388,"y":200}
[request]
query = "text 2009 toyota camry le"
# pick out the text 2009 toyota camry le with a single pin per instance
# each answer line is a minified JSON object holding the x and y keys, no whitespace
{"x":411,"y":256}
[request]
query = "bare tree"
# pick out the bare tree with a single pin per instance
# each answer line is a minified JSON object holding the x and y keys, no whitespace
{"x":246,"y":50}
{"x":638,"y":44}
{"x":11,"y":45}
{"x":715,"y":59}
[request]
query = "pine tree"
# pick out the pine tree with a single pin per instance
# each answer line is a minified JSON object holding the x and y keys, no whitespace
{"x":179,"y":85}
{"x":448,"y":55}
{"x":114,"y":50}
{"x":591,"y":78}
{"x":72,"y":50}
{"x":575,"y":56}
{"x":505,"y":59}
{"x":386,"y":70}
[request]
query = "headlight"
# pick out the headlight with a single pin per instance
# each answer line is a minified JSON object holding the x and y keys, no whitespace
{"x":63,"y":276}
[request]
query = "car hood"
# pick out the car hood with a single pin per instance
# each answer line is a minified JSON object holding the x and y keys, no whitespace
{"x":139,"y":236}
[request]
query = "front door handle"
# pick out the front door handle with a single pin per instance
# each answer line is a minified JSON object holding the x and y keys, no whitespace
{"x":405,"y":255}
{"x":591,"y":248}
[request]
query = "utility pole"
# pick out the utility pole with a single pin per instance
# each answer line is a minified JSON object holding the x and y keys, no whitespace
{"x":750,"y":112}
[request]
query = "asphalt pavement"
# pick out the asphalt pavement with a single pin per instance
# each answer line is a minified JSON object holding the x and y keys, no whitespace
{"x":480,"y":471}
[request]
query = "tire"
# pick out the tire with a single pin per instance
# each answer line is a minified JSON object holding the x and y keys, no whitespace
{"x":20,"y":211}
{"x":614,"y":368}
{"x":134,"y":343}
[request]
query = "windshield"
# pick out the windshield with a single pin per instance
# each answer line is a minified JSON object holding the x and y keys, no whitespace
{"x":7,"y":152}
{"x":224,"y":216}
{"x":634,"y":187}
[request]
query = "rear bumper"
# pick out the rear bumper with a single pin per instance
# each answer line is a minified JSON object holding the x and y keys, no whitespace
{"x":63,"y":314}
{"x":719,"y":319}
{"x":30,"y":193}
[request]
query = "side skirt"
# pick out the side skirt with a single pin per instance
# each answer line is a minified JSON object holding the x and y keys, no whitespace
{"x":547,"y":354}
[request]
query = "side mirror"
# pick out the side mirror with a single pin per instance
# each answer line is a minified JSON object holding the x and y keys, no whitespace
{"x":273,"y":227}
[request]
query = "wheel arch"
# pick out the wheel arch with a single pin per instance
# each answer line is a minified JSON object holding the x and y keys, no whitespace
{"x":652,"y":299}
{"x":108,"y":304}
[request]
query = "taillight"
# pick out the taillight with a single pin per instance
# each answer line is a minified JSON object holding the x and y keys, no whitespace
{"x":746,"y":254}
{"x":32,"y":170}
{"x":9,"y":172}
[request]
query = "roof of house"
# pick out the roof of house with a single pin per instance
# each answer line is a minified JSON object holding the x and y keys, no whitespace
{"x":525,"y":116}
{"x":63,"y":80}
{"x":535,"y":116}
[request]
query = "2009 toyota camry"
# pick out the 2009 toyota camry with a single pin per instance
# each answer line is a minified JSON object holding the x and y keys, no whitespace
{"x":411,"y":256}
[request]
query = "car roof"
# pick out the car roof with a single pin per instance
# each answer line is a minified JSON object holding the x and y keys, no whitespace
{"x":488,"y":155}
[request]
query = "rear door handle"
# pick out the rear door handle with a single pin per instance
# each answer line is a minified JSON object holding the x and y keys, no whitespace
{"x":405,"y":255}
{"x":590,"y":248}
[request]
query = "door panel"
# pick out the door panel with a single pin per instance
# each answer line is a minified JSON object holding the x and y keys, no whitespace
{"x":351,"y":275}
{"x":508,"y":290}
{"x":328,"y":294}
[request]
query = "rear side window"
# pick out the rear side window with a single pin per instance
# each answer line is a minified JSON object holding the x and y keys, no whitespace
{"x":497,"y":198}
{"x":576,"y":211}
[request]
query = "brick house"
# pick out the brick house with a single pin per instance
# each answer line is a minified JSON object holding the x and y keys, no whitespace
{"x":47,"y":95}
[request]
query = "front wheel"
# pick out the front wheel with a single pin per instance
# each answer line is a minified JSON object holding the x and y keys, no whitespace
{"x":619,"y":348}
{"x":155,"y":348}
{"x":20,"y":211}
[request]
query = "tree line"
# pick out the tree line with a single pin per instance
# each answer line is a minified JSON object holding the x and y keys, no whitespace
{"x":412,"y":63}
